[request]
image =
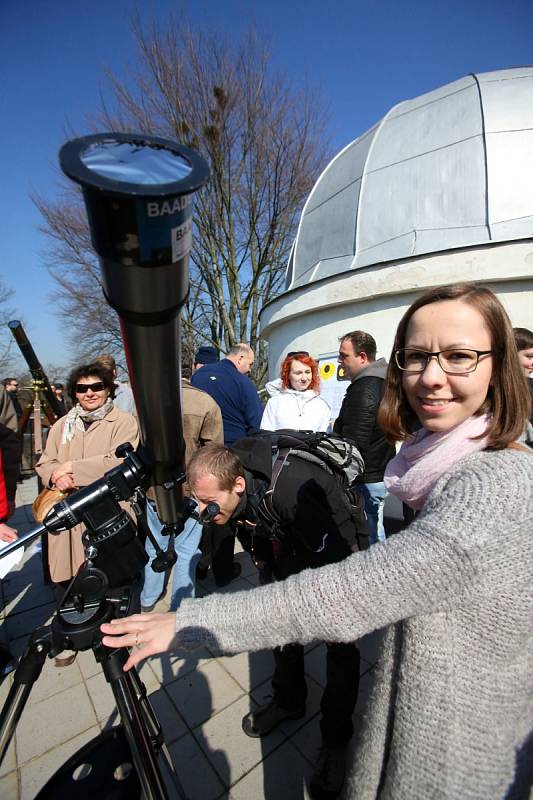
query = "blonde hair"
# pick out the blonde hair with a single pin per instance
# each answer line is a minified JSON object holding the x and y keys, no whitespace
{"x":107,"y":361}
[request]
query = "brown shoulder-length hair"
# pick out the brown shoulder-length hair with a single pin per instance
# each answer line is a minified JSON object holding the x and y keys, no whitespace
{"x":309,"y":362}
{"x":508,"y":397}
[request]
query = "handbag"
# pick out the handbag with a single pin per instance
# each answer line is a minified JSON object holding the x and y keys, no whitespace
{"x":45,"y":500}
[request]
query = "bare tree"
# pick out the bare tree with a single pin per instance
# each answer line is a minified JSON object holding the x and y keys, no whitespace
{"x":73,"y":265}
{"x":265,"y":145}
{"x":6,"y":340}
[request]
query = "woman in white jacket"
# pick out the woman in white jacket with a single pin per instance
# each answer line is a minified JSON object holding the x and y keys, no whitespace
{"x":298,"y":404}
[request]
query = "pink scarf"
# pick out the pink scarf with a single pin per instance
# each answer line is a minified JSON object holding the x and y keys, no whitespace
{"x":414,"y":471}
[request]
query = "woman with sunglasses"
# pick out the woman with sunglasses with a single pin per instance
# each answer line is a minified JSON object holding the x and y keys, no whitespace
{"x":80,"y":448}
{"x":450,"y":712}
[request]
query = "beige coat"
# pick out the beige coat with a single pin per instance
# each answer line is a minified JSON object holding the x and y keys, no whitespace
{"x":202,"y":424}
{"x":92,"y":453}
{"x":202,"y":421}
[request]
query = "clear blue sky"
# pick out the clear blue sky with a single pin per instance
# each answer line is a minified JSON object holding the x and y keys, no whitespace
{"x":363,"y":55}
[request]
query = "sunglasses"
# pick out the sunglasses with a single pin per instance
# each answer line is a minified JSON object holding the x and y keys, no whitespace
{"x":81,"y":388}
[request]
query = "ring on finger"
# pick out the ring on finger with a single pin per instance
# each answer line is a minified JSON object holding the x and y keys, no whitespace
{"x":136,"y":640}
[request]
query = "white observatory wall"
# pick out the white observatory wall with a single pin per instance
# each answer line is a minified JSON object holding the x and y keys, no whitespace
{"x":374,"y":298}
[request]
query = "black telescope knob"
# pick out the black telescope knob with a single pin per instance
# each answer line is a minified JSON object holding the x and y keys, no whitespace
{"x":123,"y":450}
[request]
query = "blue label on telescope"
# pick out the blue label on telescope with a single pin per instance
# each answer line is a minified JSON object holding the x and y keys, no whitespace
{"x":164,"y":229}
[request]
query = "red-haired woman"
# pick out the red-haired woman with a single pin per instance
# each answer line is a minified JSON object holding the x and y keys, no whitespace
{"x":298,"y":405}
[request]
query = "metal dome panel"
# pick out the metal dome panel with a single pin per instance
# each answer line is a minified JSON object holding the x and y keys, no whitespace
{"x":451,"y":168}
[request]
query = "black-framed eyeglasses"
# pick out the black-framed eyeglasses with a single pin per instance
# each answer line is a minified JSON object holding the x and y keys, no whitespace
{"x":81,"y":388}
{"x":454,"y":361}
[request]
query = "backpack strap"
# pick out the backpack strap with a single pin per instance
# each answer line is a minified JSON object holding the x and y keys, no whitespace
{"x":266,"y":506}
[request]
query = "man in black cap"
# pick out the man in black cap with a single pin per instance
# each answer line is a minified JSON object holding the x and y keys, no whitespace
{"x":65,"y":403}
{"x":205,"y":355}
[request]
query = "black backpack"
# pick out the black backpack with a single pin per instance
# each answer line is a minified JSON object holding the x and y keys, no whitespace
{"x":335,"y":454}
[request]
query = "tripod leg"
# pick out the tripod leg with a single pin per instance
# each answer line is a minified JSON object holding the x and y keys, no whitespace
{"x":156,"y":731}
{"x":140,"y":725}
{"x":27,"y":672}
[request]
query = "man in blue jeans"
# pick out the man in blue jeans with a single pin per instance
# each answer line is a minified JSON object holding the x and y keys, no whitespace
{"x":202,"y":424}
{"x":357,"y":420}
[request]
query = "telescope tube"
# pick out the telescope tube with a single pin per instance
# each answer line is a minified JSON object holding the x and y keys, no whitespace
{"x":138,"y":194}
{"x":34,"y":365}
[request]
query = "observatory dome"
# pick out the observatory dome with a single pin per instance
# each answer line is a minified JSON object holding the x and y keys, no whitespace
{"x":449,"y":169}
{"x":438,"y":191}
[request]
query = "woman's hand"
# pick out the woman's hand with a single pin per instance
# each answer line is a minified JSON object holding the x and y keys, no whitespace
{"x":65,"y":483}
{"x":149,"y":633}
{"x":62,"y":477}
{"x":8,"y":534}
{"x":62,"y":469}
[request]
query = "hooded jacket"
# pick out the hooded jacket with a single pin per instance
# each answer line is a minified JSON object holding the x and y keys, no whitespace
{"x":299,"y":411}
{"x":357,"y":420}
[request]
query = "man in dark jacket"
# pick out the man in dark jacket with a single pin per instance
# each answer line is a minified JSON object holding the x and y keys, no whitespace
{"x":227,"y":383}
{"x":11,"y":385}
{"x":311,"y":526}
{"x":357,"y":420}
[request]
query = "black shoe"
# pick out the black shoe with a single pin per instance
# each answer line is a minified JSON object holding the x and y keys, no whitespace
{"x":201,"y":572}
{"x":235,"y":572}
{"x":328,"y":777}
{"x":266,"y":718}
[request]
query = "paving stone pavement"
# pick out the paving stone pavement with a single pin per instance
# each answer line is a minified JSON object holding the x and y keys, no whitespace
{"x":199,"y":700}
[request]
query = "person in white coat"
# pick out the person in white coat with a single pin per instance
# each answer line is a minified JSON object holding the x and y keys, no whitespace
{"x":298,"y":404}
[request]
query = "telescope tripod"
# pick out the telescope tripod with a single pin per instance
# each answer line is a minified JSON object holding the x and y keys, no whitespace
{"x":122,"y":762}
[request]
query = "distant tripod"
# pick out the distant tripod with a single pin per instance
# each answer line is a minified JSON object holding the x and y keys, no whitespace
{"x":32,"y":413}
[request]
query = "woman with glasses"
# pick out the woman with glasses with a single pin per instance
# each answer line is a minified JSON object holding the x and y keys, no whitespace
{"x":450,"y":711}
{"x":297,"y":405}
{"x":80,"y":448}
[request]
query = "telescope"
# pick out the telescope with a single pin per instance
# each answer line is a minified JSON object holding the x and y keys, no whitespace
{"x":138,"y":193}
{"x":34,"y":365}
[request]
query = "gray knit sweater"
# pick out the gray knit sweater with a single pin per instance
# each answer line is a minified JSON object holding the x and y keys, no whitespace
{"x":452,"y":702}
